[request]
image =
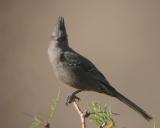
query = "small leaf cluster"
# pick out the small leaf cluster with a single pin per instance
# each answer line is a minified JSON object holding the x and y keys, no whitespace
{"x":102,"y":116}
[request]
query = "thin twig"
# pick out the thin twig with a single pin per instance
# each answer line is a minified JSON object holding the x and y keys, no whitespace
{"x":81,"y":114}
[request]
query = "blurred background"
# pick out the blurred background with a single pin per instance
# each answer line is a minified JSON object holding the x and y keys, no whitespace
{"x":121,"y":37}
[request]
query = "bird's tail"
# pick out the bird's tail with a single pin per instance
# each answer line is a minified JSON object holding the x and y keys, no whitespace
{"x":132,"y":105}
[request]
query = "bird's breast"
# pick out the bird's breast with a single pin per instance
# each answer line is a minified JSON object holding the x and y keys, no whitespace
{"x":71,"y":76}
{"x":65,"y":74}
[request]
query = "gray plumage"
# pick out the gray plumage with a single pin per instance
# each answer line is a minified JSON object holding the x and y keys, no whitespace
{"x":77,"y":71}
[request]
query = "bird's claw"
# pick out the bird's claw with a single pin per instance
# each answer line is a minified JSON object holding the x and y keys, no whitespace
{"x":71,"y":98}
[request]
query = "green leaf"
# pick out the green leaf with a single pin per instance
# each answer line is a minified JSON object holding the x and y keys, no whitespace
{"x":102,"y":116}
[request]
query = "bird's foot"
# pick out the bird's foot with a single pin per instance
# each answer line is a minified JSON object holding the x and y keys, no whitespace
{"x":72,"y":98}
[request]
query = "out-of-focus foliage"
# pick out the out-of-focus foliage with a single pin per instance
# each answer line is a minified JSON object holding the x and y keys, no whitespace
{"x":42,"y":120}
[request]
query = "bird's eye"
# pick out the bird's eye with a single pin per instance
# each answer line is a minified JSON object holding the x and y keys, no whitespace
{"x":59,"y":39}
{"x":62,"y":38}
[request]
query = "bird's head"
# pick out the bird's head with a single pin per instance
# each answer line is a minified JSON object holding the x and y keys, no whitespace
{"x":59,"y":36}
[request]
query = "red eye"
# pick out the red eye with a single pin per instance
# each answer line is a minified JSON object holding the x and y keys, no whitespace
{"x":62,"y":38}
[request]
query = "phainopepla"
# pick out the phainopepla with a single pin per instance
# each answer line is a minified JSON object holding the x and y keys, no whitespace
{"x":77,"y":71}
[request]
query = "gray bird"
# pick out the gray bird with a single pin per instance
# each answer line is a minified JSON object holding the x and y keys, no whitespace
{"x":77,"y":71}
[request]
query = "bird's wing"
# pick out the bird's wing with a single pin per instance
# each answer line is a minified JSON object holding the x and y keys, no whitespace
{"x":75,"y":60}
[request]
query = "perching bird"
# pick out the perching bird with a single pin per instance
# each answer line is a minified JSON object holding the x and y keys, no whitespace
{"x":77,"y":71}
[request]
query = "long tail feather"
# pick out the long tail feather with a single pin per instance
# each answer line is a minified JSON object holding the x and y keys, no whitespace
{"x":133,"y":106}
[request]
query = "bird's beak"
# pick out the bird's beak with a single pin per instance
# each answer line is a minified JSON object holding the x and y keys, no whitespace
{"x":60,"y":29}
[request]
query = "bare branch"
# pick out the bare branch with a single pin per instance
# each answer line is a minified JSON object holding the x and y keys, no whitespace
{"x":81,"y":114}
